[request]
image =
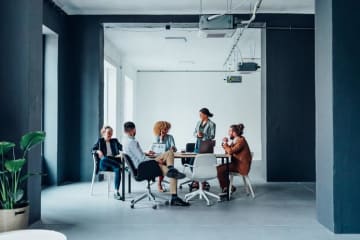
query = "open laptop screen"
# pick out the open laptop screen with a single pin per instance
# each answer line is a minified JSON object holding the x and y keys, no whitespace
{"x":158,"y":148}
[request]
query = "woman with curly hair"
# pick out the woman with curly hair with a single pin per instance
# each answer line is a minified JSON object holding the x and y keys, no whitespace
{"x":161,"y":132}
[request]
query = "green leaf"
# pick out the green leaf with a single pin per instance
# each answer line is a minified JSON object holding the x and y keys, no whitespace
{"x":5,"y":147}
{"x":31,"y":139}
{"x":18,"y":195}
{"x":14,"y":165}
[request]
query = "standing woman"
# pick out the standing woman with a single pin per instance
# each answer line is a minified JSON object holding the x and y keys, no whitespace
{"x":205,"y":128}
{"x":107,"y":148}
{"x":204,"y":131}
{"x":161,"y":130}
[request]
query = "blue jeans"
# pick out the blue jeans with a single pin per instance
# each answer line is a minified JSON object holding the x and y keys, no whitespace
{"x":108,"y":163}
{"x":197,"y":145}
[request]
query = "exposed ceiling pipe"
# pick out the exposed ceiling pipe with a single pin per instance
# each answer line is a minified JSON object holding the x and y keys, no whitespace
{"x":247,"y":24}
{"x":256,"y":7}
{"x":212,"y":17}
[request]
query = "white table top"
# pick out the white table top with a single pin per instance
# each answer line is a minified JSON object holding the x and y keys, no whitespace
{"x":32,"y":234}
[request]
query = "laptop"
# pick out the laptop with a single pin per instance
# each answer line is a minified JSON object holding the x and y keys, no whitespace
{"x":158,"y":148}
{"x":207,"y":146}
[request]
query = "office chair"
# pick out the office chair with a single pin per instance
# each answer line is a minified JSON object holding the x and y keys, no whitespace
{"x":204,"y":168}
{"x":147,"y":171}
{"x":247,"y":183}
{"x":189,"y":147}
{"x":108,"y":174}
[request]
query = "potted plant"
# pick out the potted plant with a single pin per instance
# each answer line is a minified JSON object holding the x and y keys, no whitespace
{"x":14,"y":209}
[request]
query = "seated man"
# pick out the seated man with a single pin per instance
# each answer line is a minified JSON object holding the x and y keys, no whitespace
{"x":240,"y":156}
{"x":107,"y":148}
{"x":133,"y":149}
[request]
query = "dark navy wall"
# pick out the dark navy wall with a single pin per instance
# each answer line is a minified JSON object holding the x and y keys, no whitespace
{"x":21,"y":82}
{"x":88,"y":57}
{"x":346,"y":115}
{"x":338,"y":109}
{"x":68,"y":92}
{"x":80,"y":90}
{"x":290,"y":97}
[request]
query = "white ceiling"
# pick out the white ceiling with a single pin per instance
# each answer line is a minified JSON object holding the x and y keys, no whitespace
{"x":147,"y":49}
{"x":181,"y":7}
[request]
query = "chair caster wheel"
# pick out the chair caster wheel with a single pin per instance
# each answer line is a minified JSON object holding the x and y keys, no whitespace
{"x":154,"y":207}
{"x":167,"y":203}
{"x":180,"y":187}
{"x":132,"y":202}
{"x":132,"y":206}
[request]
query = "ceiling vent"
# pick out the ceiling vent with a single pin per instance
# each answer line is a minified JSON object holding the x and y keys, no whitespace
{"x":221,"y":26}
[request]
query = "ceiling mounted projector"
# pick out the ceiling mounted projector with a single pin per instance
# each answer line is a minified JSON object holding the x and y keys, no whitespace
{"x":247,"y":67}
{"x":221,"y":26}
{"x":233,"y":79}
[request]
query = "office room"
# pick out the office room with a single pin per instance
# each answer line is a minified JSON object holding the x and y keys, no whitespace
{"x":192,"y":119}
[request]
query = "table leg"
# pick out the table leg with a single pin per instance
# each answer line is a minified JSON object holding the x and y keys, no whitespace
{"x":123,"y":181}
{"x":228,"y":178}
{"x":129,"y":182}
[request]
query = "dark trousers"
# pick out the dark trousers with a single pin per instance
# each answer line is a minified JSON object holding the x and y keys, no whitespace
{"x":223,"y":176}
{"x":107,"y":164}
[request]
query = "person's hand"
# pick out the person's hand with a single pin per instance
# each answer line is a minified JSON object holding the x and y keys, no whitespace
{"x":200,"y":134}
{"x":100,"y":154}
{"x":160,"y":161}
{"x":173,"y":149}
{"x":225,"y":140}
{"x":150,"y":153}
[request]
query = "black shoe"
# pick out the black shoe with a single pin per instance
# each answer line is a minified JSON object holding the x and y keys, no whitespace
{"x":174,"y":173}
{"x":178,"y":202}
{"x":117,"y":196}
{"x":223,"y":192}
{"x":206,"y":186}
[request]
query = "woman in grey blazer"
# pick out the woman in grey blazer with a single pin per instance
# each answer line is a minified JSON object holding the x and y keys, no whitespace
{"x":205,"y":128}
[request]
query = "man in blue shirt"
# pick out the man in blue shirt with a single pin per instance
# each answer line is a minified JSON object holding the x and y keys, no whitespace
{"x":133,"y":149}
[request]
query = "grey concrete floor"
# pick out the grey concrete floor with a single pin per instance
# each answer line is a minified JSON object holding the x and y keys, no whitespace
{"x":279,"y":211}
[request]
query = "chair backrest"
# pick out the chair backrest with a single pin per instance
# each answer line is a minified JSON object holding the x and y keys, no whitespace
{"x":130,"y":164}
{"x":96,"y":162}
{"x":204,"y":166}
{"x":147,"y":170}
{"x":190,"y":147}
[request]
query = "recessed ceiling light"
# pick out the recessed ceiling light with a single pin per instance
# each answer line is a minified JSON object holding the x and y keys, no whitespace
{"x":177,"y":38}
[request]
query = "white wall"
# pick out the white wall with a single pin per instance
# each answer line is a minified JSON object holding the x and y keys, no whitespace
{"x":113,"y":56}
{"x":177,"y":97}
{"x":124,"y":68}
{"x":130,"y":72}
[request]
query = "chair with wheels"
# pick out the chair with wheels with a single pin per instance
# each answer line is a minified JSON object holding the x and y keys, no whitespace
{"x":190,"y":147}
{"x":247,"y":183}
{"x":146,"y":171}
{"x":108,"y":174}
{"x":204,"y":168}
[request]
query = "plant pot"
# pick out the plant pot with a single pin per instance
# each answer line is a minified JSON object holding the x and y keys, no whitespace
{"x":14,"y":219}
